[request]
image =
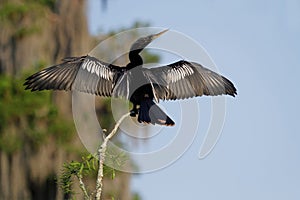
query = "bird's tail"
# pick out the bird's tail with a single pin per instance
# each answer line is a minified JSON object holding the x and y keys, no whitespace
{"x":149,"y":112}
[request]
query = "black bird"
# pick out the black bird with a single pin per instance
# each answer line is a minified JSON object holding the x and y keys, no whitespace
{"x":136,"y":83}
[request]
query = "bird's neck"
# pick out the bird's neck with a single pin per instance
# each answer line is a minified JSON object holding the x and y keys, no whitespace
{"x":135,"y":60}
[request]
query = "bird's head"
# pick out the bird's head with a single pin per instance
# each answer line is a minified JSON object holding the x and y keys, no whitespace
{"x":142,"y":42}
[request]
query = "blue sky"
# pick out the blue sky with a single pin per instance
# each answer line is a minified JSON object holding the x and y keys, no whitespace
{"x":255,"y":44}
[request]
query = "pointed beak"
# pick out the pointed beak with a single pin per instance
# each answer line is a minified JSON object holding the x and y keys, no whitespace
{"x":159,"y":34}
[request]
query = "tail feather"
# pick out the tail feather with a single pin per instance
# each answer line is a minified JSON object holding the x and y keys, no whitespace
{"x":149,"y":112}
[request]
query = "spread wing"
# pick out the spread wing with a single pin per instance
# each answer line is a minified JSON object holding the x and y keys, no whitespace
{"x":184,"y":79}
{"x":84,"y":74}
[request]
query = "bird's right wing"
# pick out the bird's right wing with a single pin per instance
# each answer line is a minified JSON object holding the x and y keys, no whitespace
{"x":84,"y":74}
{"x":183,"y":79}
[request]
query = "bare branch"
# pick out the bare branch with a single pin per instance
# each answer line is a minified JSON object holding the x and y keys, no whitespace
{"x":82,"y":187}
{"x":102,"y":154}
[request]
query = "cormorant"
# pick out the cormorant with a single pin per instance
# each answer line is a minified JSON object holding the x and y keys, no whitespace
{"x":136,"y":83}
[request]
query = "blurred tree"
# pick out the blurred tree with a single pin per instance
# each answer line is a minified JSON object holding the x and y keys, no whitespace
{"x":36,"y":137}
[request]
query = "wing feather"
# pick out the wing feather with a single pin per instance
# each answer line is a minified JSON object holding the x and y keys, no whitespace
{"x":121,"y":87}
{"x":182,"y":79}
{"x":85,"y":74}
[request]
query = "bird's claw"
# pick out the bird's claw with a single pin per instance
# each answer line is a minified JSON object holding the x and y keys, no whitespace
{"x":133,"y":112}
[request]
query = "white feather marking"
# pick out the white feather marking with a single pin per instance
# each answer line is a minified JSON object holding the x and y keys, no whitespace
{"x":93,"y":67}
{"x":170,"y":76}
{"x":88,"y":68}
{"x":182,"y":72}
{"x":97,"y":70}
{"x":191,"y":70}
{"x":105,"y":74}
{"x":175,"y":74}
{"x":83,"y":65}
{"x":186,"y":70}
{"x":86,"y":65}
{"x":178,"y":74}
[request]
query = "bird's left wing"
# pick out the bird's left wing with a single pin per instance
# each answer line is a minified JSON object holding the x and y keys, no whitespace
{"x":84,"y":74}
{"x":185,"y":79}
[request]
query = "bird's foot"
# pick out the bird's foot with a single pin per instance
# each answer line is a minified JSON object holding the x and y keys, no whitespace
{"x":133,"y":112}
